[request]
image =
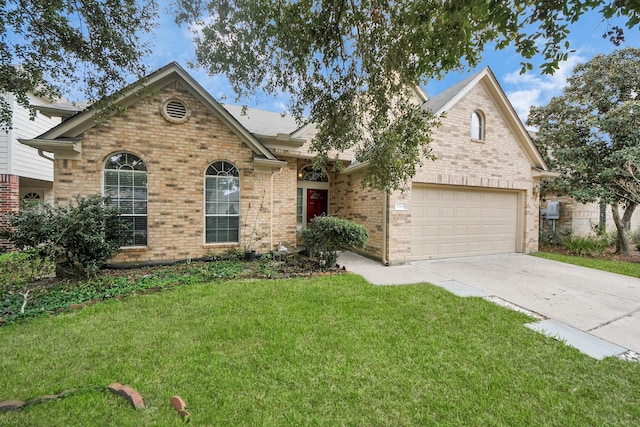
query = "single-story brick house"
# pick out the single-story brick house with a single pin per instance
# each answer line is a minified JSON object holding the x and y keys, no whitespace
{"x":193,"y":176}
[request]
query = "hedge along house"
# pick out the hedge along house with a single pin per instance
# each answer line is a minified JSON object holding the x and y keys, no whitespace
{"x":192,"y":176}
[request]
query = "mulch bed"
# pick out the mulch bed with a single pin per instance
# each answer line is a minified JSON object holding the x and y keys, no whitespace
{"x":609,"y":253}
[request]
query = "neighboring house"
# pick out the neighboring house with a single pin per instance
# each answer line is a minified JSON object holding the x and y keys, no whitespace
{"x":26,"y":174}
{"x":193,"y":176}
{"x":578,"y":219}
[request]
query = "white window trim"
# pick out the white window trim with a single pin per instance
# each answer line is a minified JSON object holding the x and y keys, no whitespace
{"x":204,"y":208}
{"x":104,"y":163}
{"x":482,"y":125}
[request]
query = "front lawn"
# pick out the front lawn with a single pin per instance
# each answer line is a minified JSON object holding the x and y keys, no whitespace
{"x":322,"y":351}
{"x":614,"y":266}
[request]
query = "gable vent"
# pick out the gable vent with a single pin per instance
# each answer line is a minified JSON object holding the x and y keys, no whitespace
{"x":176,"y":111}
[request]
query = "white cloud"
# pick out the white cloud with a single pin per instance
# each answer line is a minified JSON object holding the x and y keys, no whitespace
{"x":522,"y":100}
{"x":534,"y":89}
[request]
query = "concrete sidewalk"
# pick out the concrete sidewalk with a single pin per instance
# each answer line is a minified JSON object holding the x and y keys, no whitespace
{"x":594,"y":311}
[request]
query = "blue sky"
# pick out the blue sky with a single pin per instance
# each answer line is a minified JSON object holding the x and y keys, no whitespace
{"x":175,"y":44}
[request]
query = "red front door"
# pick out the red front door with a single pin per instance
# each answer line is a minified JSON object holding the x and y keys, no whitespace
{"x":316,"y":203}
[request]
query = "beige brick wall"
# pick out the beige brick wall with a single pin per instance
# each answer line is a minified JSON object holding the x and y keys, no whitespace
{"x":498,"y":162}
{"x":362,"y":205}
{"x":177,"y":156}
{"x":581,"y":219}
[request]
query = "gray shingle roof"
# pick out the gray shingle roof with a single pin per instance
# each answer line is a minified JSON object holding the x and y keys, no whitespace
{"x":436,"y":103}
{"x":261,"y":122}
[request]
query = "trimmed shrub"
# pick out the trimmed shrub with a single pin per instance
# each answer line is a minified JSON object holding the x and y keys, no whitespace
{"x":79,"y":237}
{"x":325,"y":235}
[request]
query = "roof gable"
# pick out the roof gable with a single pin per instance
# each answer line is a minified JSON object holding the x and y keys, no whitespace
{"x":73,"y":128}
{"x":450,"y":97}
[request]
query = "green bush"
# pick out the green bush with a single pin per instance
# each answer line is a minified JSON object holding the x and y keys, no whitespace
{"x":325,"y":235}
{"x":608,"y":237}
{"x":586,"y":246}
{"x":554,"y":237}
{"x":18,"y":269}
{"x":79,"y":237}
{"x":634,"y":236}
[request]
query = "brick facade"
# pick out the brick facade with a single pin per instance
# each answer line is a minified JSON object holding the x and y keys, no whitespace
{"x":362,"y":205}
{"x":177,"y":156}
{"x":496,"y":163}
{"x":581,"y":219}
{"x":9,"y":200}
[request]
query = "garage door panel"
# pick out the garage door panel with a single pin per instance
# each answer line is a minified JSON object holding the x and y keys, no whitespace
{"x":450,"y":222}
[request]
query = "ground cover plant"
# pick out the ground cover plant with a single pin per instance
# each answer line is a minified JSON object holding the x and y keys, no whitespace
{"x":24,"y":296}
{"x":328,"y":350}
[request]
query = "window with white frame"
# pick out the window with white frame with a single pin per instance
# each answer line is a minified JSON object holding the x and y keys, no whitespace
{"x":222,"y":203}
{"x":125,"y":186}
{"x":477,"y":125}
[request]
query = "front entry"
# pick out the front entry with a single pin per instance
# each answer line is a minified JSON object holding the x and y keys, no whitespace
{"x":316,"y":203}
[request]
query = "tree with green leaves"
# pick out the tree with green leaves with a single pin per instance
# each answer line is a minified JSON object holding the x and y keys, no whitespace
{"x":591,"y":135}
{"x":49,"y":47}
{"x":348,"y":64}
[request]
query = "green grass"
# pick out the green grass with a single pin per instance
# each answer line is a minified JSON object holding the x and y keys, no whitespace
{"x":327,"y":351}
{"x":613,"y":266}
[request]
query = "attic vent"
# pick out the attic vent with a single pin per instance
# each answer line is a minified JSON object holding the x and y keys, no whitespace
{"x":176,"y":111}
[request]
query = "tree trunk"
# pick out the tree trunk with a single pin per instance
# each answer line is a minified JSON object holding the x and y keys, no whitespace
{"x":622,"y":239}
{"x":628,"y":213}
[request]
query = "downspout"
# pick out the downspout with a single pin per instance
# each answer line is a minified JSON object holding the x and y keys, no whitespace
{"x":41,"y":154}
{"x":271,"y":210}
{"x":384,"y":227}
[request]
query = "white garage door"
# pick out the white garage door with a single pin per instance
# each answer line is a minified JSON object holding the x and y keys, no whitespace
{"x":448,"y":222}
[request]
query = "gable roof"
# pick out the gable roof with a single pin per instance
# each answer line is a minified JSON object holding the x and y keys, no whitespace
{"x":450,"y":97}
{"x":438,"y":102}
{"x":68,"y":133}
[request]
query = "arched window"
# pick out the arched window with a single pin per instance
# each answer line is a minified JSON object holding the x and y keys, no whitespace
{"x":308,"y":173}
{"x":125,"y":184}
{"x":477,"y":125}
{"x":31,"y":197}
{"x":222,"y":203}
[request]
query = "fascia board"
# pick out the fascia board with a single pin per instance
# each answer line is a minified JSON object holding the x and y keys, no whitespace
{"x":357,"y":167}
{"x":462,"y":93}
{"x":510,"y":115}
{"x":269,"y":163}
{"x":61,"y":148}
{"x":82,"y":122}
{"x":281,"y":140}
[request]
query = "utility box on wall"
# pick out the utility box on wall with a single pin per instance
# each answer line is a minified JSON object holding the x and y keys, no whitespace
{"x":553,"y":210}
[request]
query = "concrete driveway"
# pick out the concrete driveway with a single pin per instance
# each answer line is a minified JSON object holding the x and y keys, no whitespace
{"x":594,"y":311}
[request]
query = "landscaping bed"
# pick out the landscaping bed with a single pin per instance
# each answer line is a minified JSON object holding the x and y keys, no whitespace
{"x":608,"y":254}
{"x":55,"y":295}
